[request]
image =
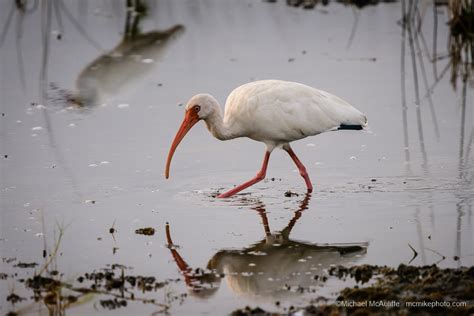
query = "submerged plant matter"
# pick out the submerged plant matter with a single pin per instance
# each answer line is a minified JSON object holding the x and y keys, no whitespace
{"x":113,"y":287}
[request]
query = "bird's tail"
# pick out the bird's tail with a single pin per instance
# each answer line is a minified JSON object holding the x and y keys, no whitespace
{"x":362,"y":124}
{"x":352,"y":127}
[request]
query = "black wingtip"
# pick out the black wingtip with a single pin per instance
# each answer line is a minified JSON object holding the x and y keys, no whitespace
{"x":350,"y":127}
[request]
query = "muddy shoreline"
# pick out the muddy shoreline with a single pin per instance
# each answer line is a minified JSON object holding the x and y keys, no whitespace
{"x":382,"y":290}
{"x":425,"y":290}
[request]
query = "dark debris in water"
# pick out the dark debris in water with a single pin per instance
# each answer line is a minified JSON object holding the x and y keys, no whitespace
{"x":114,"y":284}
{"x":290,"y":193}
{"x":115,"y":278}
{"x":311,"y":4}
{"x":14,"y":298}
{"x":40,"y":283}
{"x":271,"y":179}
{"x":113,"y":303}
{"x":25,"y":265}
{"x":112,"y":229}
{"x":148,"y":231}
{"x":8,"y":260}
{"x":250,"y":311}
{"x":361,"y":273}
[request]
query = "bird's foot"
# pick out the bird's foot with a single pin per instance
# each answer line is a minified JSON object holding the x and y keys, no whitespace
{"x":225,"y":195}
{"x":230,"y":192}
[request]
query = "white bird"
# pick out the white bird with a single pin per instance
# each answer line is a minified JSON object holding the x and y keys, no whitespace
{"x":273,"y":112}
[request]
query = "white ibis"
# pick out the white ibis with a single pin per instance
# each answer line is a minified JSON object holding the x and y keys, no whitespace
{"x":273,"y":112}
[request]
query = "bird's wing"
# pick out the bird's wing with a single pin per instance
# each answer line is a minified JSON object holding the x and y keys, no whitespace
{"x":283,"y":111}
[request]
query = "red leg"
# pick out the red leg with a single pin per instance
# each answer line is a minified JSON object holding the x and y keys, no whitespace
{"x":301,"y":168}
{"x":263,"y":214}
{"x":259,"y":177}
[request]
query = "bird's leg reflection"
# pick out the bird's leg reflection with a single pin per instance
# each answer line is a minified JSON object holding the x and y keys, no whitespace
{"x":303,"y":206}
{"x":202,"y":283}
{"x":285,"y":233}
{"x":182,"y":265}
{"x":260,"y":208}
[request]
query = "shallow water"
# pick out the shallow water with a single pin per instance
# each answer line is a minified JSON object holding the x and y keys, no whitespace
{"x":89,"y":117}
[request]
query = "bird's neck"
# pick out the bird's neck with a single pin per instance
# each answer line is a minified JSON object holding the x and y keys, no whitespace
{"x":217,"y":127}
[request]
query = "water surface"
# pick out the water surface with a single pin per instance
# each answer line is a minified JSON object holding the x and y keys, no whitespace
{"x":90,"y":108}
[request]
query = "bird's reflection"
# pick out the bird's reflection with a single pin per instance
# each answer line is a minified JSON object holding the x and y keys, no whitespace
{"x":128,"y":62}
{"x":131,"y":59}
{"x":276,"y":267}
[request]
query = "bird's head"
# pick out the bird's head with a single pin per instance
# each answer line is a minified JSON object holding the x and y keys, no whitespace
{"x":199,"y":107}
{"x":203,"y":104}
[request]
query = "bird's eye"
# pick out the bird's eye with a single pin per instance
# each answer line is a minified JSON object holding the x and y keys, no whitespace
{"x":196,"y":108}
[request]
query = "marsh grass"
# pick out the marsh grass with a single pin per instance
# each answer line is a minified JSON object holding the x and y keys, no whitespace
{"x":461,"y":40}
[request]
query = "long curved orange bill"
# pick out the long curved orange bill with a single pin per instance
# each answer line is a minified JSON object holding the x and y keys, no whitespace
{"x":190,"y":118}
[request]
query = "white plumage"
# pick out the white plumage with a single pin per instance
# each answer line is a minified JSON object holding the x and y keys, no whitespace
{"x":274,"y":112}
{"x":277,"y":112}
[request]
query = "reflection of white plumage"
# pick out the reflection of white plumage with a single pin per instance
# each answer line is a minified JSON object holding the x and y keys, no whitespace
{"x":271,"y":269}
{"x":266,"y":273}
{"x":273,"y":112}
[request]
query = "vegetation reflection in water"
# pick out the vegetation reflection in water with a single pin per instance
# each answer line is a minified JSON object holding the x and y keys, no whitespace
{"x":112,"y":287}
